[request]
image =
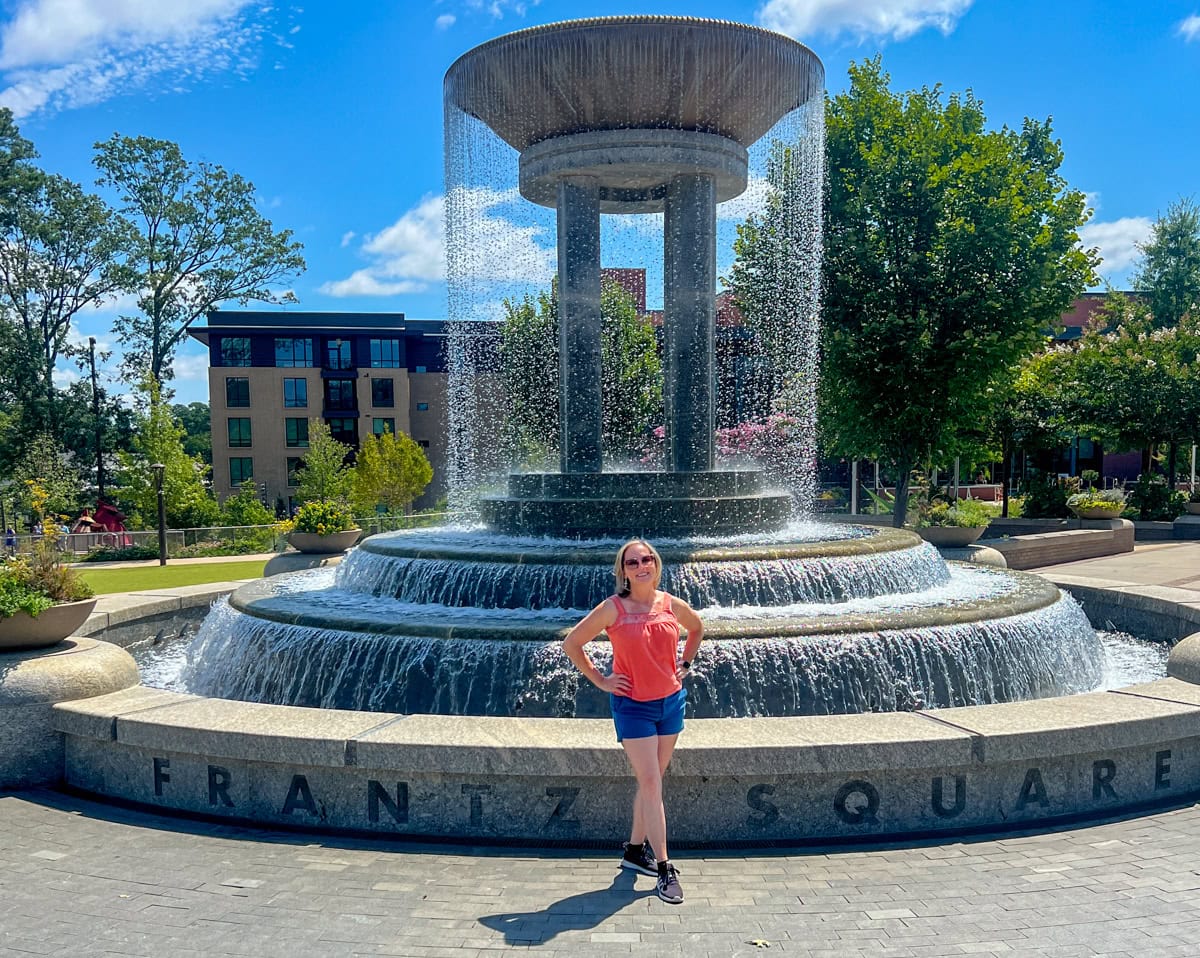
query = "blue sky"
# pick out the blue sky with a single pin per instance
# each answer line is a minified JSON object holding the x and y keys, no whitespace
{"x":334,"y":110}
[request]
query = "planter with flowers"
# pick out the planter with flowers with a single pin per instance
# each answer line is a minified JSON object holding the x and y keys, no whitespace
{"x":323,"y":526}
{"x":42,"y":601}
{"x":1097,"y":503}
{"x":952,"y":525}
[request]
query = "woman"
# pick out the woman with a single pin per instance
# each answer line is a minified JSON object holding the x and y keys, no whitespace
{"x":646,"y":690}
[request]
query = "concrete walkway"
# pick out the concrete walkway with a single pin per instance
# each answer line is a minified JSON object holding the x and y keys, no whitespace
{"x":79,"y":878}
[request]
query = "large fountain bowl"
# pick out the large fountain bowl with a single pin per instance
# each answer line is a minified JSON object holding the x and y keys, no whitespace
{"x":640,"y":72}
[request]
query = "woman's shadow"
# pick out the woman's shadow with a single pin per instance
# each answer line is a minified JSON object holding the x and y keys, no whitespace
{"x":576,"y":913}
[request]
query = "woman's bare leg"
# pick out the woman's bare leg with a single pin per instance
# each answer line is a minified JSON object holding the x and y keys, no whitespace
{"x":637,"y":830}
{"x":643,"y":757}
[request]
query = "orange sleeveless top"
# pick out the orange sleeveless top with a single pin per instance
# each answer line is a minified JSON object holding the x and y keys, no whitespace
{"x":644,"y":647}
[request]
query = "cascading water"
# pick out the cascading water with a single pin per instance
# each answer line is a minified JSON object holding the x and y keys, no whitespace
{"x":676,"y":130}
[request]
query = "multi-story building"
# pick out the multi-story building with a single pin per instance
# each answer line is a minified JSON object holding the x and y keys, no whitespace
{"x":362,"y":373}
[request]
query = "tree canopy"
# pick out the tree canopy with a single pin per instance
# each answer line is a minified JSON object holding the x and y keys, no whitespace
{"x":631,"y":372}
{"x":390,"y":470}
{"x":1168,"y":275}
{"x":325,"y":475}
{"x":951,"y":251}
{"x":199,"y":240}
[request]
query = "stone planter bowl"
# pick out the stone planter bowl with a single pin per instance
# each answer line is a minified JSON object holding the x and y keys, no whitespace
{"x":1193,"y":508}
{"x":1099,"y":512}
{"x":951,"y":536}
{"x":23,"y":631}
{"x":334,"y":542}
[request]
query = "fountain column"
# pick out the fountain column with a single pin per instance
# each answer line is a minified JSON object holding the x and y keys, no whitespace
{"x":689,"y":300}
{"x":579,"y":324}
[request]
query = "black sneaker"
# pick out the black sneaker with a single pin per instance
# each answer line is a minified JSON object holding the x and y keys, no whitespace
{"x":640,"y":858}
{"x":668,"y":884}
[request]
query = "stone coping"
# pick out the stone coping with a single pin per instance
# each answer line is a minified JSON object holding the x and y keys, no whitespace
{"x":742,"y":780}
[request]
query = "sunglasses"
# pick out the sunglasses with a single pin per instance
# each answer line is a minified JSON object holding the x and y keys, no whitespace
{"x":634,"y":563}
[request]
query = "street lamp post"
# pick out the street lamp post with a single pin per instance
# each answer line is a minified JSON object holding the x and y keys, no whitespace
{"x":96,"y":421}
{"x":159,"y":469}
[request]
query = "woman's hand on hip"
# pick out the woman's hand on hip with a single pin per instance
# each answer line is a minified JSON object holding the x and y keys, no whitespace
{"x":615,"y":684}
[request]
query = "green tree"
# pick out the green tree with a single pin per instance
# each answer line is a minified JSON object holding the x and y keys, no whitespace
{"x":1169,"y":273}
{"x":325,"y":474}
{"x":631,"y":373}
{"x":246,"y":508}
{"x":159,"y":439}
{"x":950,"y":251}
{"x":199,"y":241}
{"x":197,"y":424}
{"x":390,"y":470}
{"x":54,"y":470}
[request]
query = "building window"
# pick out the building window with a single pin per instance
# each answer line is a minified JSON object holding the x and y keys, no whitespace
{"x":337,"y":354}
{"x":385,"y":354}
{"x":297,"y":432}
{"x":422,"y":407}
{"x":419,"y":369}
{"x":293,"y":352}
{"x":239,"y":431}
{"x":383,"y":393}
{"x":423,"y":443}
{"x":344,"y":430}
{"x":241,"y":469}
{"x":380,"y":426}
{"x":235,"y":351}
{"x":237,"y":391}
{"x":295,"y":393}
{"x":340,"y":395}
{"x":294,"y":465}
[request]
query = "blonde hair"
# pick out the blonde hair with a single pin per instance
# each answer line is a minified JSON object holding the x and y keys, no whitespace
{"x":619,"y":566}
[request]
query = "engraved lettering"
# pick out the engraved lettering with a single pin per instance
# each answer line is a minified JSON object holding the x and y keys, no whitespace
{"x":1103,"y":772}
{"x":476,"y":792}
{"x":299,"y":796}
{"x":1162,"y":769}
{"x":960,"y":797}
{"x":1032,"y":790}
{"x":562,"y":816}
{"x":161,"y":774}
{"x":861,"y":811}
{"x":398,"y":809}
{"x":768,"y":812}
{"x":218,"y":786}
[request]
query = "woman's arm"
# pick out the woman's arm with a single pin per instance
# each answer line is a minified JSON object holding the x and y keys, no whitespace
{"x":596,"y":621}
{"x":695,"y":632}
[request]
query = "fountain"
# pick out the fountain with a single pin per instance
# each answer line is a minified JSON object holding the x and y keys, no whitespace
{"x":640,"y":115}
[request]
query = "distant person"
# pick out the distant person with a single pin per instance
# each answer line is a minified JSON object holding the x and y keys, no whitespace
{"x":646,"y":693}
{"x":10,"y":541}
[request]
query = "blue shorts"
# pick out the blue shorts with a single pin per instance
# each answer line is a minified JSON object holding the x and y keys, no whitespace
{"x":635,"y":719}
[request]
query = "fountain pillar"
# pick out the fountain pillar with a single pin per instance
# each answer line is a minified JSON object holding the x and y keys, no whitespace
{"x":579,"y":324}
{"x":689,"y":300}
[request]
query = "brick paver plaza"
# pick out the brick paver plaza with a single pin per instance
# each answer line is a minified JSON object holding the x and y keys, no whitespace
{"x":80,"y":878}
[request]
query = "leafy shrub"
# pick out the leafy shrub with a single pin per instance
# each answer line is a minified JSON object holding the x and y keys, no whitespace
{"x":1154,"y":501}
{"x":1045,"y":496}
{"x":32,"y":584}
{"x":323,"y":518}
{"x":1194,"y":495}
{"x":121,"y":554}
{"x":966,"y":513}
{"x":16,"y":597}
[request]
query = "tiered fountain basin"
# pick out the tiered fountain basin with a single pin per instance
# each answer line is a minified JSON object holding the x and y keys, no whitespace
{"x":846,"y":619}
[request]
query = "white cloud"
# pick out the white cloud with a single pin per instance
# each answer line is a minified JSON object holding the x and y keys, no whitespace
{"x":347,"y":237}
{"x":445,"y":21}
{"x":1189,"y":28}
{"x":411,"y":252}
{"x":363,"y":282}
{"x":191,"y":368}
{"x":60,"y":54}
{"x":862,"y":19}
{"x":1117,"y":241}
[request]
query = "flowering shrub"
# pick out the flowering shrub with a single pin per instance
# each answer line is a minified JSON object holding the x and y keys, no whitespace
{"x":323,"y":517}
{"x":767,"y":442}
{"x":966,"y":513}
{"x":1113,"y":499}
{"x":33,"y":584}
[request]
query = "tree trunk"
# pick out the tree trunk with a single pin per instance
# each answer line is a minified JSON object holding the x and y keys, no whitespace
{"x":904,"y":469}
{"x":1172,"y":454}
{"x":1006,"y":455}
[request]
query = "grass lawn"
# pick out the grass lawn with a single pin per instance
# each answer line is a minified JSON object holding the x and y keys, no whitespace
{"x":154,"y":576}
